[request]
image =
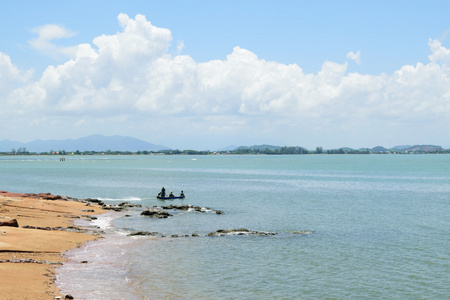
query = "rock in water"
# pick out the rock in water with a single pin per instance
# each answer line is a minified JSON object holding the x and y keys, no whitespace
{"x":155,"y":213}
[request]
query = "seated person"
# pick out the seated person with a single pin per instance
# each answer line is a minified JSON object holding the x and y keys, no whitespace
{"x":181,"y":194}
{"x":171,"y":194}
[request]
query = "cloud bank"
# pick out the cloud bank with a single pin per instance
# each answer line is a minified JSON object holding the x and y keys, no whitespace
{"x":129,"y":83}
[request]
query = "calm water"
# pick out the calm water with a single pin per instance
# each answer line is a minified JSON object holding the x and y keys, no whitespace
{"x":378,"y":226}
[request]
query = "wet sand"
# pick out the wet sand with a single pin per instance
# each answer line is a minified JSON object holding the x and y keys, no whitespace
{"x":28,"y":256}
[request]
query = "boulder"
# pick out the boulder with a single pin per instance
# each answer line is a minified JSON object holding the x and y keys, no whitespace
{"x":10,"y":223}
{"x":49,"y":196}
{"x":192,"y":208}
{"x":154,"y":212}
{"x":128,"y":204}
{"x":240,"y":231}
{"x":142,"y":233}
{"x":96,"y":201}
{"x":113,"y":207}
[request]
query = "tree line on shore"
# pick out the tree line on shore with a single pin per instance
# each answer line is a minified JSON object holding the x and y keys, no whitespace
{"x":273,"y":150}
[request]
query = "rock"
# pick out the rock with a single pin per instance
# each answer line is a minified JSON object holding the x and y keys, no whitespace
{"x":113,"y":207}
{"x":155,"y":213}
{"x":177,"y":207}
{"x":51,"y":197}
{"x":68,"y":296}
{"x":240,"y":231}
{"x":10,"y":223}
{"x":199,"y":209}
{"x":88,"y":210}
{"x":191,"y":207}
{"x":120,"y":206}
{"x":142,"y":233}
{"x":128,"y":205}
{"x":46,"y":196}
{"x":96,"y":201}
{"x":302,"y":232}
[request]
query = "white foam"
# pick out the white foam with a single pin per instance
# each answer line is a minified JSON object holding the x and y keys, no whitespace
{"x":99,"y":269}
{"x":104,"y":221}
{"x":130,"y":198}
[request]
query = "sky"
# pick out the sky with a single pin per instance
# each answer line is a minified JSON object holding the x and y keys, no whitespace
{"x":204,"y":75}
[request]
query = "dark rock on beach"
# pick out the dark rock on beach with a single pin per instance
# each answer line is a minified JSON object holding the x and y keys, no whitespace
{"x":96,"y":201}
{"x":29,"y":261}
{"x":120,"y":207}
{"x":58,"y":228}
{"x":10,"y":223}
{"x":45,"y":196}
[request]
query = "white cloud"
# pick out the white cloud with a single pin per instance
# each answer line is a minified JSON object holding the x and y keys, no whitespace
{"x":130,"y":76}
{"x":355,"y":56}
{"x":46,"y":35}
{"x":180,"y":46}
{"x":439,"y":53}
{"x":9,"y":73}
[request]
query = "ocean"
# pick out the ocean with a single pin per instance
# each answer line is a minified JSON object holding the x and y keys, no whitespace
{"x":342,"y":226}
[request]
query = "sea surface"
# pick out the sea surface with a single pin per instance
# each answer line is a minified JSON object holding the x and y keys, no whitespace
{"x":347,"y":226}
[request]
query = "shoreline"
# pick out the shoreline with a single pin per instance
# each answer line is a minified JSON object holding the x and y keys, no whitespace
{"x":34,"y":247}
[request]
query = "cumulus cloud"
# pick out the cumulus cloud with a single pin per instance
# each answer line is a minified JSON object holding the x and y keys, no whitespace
{"x":356,"y":57}
{"x":131,"y":75}
{"x":438,"y":52}
{"x":180,"y":46}
{"x":46,"y":35}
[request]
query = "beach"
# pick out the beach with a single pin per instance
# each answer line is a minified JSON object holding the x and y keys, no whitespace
{"x":30,"y":252}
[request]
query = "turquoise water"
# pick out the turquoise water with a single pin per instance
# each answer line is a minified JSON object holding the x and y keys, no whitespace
{"x":374,"y":226}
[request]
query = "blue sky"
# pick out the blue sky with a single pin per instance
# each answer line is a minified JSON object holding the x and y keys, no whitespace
{"x":213,"y":73}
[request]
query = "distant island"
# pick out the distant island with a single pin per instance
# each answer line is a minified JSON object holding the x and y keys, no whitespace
{"x":120,"y":145}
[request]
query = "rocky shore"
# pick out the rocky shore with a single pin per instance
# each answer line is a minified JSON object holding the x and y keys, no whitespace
{"x":36,"y":229}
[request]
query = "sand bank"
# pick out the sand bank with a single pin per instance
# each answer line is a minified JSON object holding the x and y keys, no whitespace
{"x":29,"y":253}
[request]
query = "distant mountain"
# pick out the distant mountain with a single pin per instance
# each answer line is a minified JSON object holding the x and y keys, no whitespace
{"x":259,"y":147}
{"x":228,"y":148}
{"x":90,"y":143}
{"x":401,"y":147}
{"x":379,"y":149}
{"x":7,"y":145}
{"x":422,"y":148}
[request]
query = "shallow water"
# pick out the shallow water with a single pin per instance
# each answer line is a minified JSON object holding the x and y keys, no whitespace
{"x":377,"y":225}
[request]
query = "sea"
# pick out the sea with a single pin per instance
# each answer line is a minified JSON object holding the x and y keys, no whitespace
{"x":336,"y":226}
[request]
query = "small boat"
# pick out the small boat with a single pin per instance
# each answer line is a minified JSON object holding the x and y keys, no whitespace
{"x":169,"y":198}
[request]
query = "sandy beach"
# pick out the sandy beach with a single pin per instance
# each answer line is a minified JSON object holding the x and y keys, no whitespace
{"x":30,"y":252}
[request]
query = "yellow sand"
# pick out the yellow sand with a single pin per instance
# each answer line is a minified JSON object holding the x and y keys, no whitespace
{"x":32,"y":280}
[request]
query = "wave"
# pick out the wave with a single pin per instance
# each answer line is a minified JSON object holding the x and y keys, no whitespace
{"x":130,"y":198}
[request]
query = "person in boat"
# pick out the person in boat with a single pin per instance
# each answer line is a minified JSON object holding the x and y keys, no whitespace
{"x":182,"y":194}
{"x":163,"y":192}
{"x":171,"y":194}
